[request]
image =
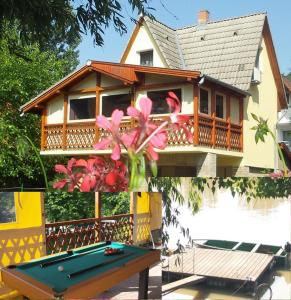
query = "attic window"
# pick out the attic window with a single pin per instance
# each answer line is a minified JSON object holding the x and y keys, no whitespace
{"x":146,"y":58}
{"x":7,"y":208}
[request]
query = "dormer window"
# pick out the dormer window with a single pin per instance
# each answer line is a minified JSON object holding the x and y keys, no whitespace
{"x":146,"y":58}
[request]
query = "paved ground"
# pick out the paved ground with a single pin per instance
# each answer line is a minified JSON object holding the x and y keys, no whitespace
{"x":129,"y":289}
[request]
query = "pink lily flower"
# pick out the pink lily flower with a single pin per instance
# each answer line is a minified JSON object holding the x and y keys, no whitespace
{"x":114,"y":139}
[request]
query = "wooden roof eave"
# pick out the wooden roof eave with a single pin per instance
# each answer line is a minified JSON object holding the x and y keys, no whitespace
{"x":274,"y":65}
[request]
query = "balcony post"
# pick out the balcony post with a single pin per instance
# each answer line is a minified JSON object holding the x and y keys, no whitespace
{"x":241,"y":119}
{"x":228,"y":121}
{"x":132,"y":102}
{"x":196,"y":114}
{"x":64,"y":146}
{"x":98,"y":214}
{"x":213,"y":115}
{"x":43,"y":133}
{"x":97,"y":104}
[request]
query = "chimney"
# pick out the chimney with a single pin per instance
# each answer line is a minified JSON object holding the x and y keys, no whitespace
{"x":203,"y":16}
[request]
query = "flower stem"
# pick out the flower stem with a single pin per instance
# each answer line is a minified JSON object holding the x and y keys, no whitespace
{"x":164,"y":124}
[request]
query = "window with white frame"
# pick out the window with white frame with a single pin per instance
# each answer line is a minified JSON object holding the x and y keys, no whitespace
{"x":204,"y":101}
{"x":7,"y":207}
{"x":112,"y":102}
{"x":82,"y":109}
{"x":219,"y":102}
{"x":146,"y":58}
{"x":160,"y":105}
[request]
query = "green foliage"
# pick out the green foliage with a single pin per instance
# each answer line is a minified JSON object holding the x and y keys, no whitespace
{"x":21,"y":80}
{"x":115,"y":203}
{"x":58,"y":22}
{"x":62,"y":206}
{"x":262,"y":130}
{"x":289,"y":76}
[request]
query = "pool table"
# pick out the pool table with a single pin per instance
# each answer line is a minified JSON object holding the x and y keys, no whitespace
{"x":81,"y":273}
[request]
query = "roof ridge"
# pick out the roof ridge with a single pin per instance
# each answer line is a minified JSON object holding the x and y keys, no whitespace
{"x":157,"y":21}
{"x":223,"y":20}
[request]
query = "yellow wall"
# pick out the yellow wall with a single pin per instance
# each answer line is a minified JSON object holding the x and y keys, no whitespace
{"x":143,"y":42}
{"x":148,"y":216}
{"x":263,"y":103}
{"x":23,"y":240}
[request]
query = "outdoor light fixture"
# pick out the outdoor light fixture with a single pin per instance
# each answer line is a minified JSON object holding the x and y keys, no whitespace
{"x":201,"y":81}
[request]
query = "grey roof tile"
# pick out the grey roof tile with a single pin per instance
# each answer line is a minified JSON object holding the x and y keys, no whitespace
{"x":225,"y":50}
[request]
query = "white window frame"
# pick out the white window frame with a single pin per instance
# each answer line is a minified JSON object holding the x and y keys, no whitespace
{"x":209,"y":101}
{"x":139,"y":52}
{"x":77,"y":97}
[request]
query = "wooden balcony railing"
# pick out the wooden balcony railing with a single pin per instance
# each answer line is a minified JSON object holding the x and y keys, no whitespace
{"x":212,"y":132}
{"x":62,"y":236}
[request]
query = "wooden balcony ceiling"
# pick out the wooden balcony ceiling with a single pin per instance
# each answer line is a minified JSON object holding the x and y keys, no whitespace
{"x":128,"y":74}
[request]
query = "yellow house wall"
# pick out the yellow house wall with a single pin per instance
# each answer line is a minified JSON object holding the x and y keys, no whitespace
{"x":263,"y":103}
{"x":148,"y":215}
{"x":143,"y":42}
{"x":24,"y":239}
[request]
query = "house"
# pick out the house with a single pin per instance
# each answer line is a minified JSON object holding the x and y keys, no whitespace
{"x":222,"y":71}
{"x":284,"y":118}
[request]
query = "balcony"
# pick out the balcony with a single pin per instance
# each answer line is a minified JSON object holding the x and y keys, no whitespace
{"x":62,"y":236}
{"x":207,"y":131}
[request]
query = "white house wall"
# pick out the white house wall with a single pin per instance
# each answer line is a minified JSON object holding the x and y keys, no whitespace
{"x":88,"y":82}
{"x":144,"y":42}
{"x":55,"y":110}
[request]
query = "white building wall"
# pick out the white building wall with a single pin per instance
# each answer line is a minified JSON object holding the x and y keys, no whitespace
{"x":144,"y":42}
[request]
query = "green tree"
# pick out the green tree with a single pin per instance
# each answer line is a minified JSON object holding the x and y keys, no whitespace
{"x":62,"y":206}
{"x":60,"y":21}
{"x":115,"y":203}
{"x":21,"y":79}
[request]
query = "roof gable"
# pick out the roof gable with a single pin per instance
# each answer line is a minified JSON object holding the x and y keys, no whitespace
{"x":225,"y":50}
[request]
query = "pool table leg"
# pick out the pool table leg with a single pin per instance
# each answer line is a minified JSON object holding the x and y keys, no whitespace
{"x":143,"y":284}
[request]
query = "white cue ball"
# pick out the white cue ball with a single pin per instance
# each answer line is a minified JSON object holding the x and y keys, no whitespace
{"x":60,"y":268}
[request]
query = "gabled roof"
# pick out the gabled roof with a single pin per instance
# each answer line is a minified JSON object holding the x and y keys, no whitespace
{"x":128,"y":74}
{"x":225,"y":50}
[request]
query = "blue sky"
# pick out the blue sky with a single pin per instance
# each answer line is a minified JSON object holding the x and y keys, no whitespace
{"x":181,"y":13}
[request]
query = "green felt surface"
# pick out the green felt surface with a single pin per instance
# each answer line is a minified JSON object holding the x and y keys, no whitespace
{"x":59,"y":281}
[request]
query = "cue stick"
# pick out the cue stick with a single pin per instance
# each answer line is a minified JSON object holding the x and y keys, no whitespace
{"x":99,"y":265}
{"x":52,"y":262}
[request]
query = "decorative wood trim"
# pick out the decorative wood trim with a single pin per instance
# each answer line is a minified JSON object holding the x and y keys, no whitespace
{"x":228,"y":121}
{"x":196,"y":114}
{"x":213,"y":115}
{"x":66,"y":98}
{"x":162,"y":85}
{"x":274,"y":65}
{"x":221,"y":89}
{"x":97,"y":108}
{"x":131,"y":40}
{"x":82,"y":91}
{"x":43,"y":124}
{"x":241,"y":119}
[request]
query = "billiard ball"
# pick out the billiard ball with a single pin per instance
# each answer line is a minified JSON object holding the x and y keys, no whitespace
{"x":60,"y":268}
